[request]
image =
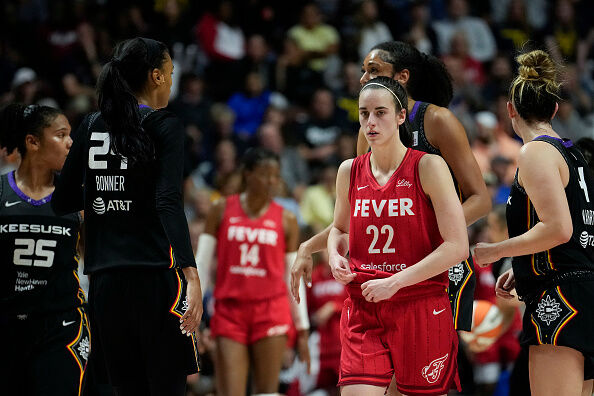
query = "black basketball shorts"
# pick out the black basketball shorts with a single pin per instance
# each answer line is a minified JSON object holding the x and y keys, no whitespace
{"x":44,"y":355}
{"x":135,"y":316}
{"x":564,"y":316}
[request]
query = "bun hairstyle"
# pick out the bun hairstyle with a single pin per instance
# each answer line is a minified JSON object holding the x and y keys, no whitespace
{"x":535,"y":91}
{"x":400,"y":99}
{"x":18,"y":120}
{"x":428,"y":81}
{"x":124,"y":76}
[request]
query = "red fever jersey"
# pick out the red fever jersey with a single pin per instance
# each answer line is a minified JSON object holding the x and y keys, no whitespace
{"x":250,"y":253}
{"x":392,"y":227}
{"x":326,"y":289}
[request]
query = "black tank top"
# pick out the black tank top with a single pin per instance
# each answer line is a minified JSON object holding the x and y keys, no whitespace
{"x":416,"y":119}
{"x":38,"y":259}
{"x":571,"y":259}
{"x":133,"y":213}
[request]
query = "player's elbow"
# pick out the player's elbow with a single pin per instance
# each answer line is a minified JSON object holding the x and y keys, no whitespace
{"x":460,"y":250}
{"x":563,"y":233}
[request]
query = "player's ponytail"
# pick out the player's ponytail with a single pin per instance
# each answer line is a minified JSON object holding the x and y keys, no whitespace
{"x":400,"y":101}
{"x":535,"y":90}
{"x":18,"y":120}
{"x":124,"y":76}
{"x":428,"y":81}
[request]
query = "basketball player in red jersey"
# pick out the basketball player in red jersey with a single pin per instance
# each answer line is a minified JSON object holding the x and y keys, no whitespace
{"x":399,"y":218}
{"x":254,"y":238}
{"x":325,"y":300}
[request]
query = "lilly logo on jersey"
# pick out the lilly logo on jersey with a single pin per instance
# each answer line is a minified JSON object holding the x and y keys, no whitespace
{"x":113,"y":205}
{"x":403,"y":183}
{"x":432,"y":371}
{"x":586,"y":239}
{"x":383,"y":207}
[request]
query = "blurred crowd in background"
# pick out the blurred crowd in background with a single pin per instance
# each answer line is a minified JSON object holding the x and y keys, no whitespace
{"x":285,"y":75}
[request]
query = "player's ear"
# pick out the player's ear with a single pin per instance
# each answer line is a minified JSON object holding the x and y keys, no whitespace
{"x":32,"y":143}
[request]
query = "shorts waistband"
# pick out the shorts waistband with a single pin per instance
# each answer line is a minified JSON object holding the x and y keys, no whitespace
{"x":407,"y":293}
{"x":531,"y":293}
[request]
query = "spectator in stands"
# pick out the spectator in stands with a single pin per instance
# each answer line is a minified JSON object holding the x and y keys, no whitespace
{"x":568,"y":123}
{"x":318,"y":40}
{"x":317,"y":133}
{"x":249,"y":106}
{"x":561,"y":36}
{"x":421,"y":34}
{"x":347,"y":98}
{"x":259,"y":59}
{"x":514,"y":31}
{"x":371,"y":30}
{"x":473,"y":72}
{"x":481,"y":40}
{"x":317,"y":205}
{"x":222,"y":39}
{"x":293,"y":77}
{"x":294,"y":170}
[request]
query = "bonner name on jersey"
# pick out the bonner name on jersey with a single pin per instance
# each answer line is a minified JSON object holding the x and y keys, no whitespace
{"x":35,"y":229}
{"x":384,"y":207}
{"x":262,"y":236}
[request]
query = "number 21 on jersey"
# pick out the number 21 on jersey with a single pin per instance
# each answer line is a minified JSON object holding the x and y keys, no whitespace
{"x":94,"y":163}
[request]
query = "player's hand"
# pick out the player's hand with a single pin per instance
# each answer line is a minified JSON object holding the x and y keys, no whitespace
{"x":485,"y":253}
{"x":376,"y":290}
{"x":303,"y":348}
{"x":191,"y":319}
{"x":505,"y":284}
{"x":341,"y":269}
{"x":302,"y":267}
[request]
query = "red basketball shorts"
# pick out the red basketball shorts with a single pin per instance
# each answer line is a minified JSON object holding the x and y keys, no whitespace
{"x":413,"y":339}
{"x":247,"y":321}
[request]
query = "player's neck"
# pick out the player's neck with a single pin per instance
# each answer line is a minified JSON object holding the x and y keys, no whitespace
{"x":386,"y":159}
{"x":254,"y":205}
{"x":35,"y":180}
{"x":529,"y":132}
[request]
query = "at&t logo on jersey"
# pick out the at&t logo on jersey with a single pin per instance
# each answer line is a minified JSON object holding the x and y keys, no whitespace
{"x":432,"y":371}
{"x":113,"y":205}
{"x":586,"y":239}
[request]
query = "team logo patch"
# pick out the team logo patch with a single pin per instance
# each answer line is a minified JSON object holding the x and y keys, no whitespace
{"x":552,"y":313}
{"x":84,"y":347}
{"x":549,"y":310}
{"x":81,"y":346}
{"x":432,"y":371}
{"x":456,"y":273}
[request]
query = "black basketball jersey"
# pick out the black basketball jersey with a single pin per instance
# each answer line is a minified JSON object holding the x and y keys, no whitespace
{"x":416,"y":119}
{"x":575,"y":255}
{"x":133,"y":213}
{"x":38,"y":259}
